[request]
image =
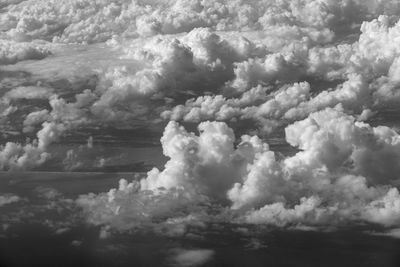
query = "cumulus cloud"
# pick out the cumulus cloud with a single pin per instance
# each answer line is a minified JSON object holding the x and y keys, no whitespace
{"x":12,"y":52}
{"x":279,"y":107}
{"x":364,"y":70}
{"x":321,"y":73}
{"x":164,"y":70}
{"x":221,"y":51}
{"x":217,"y":107}
{"x":29,"y":92}
{"x":35,"y":118}
{"x":16,"y":156}
{"x":330,"y":181}
{"x":207,"y":164}
{"x":36,"y":19}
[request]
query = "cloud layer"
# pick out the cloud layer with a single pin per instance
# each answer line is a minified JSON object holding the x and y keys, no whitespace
{"x":342,"y":174}
{"x":321,"y":77}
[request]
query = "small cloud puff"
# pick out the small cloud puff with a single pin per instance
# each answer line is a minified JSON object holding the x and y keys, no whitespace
{"x":8,"y":199}
{"x":191,"y":257}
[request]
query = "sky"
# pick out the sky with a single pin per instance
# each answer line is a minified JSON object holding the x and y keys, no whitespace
{"x":264,"y":112}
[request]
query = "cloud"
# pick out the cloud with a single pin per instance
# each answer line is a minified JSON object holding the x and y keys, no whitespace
{"x":8,"y":199}
{"x":29,"y":92}
{"x":318,"y":75}
{"x":12,"y":52}
{"x":193,"y":257}
{"x":35,"y":118}
{"x":207,"y":164}
{"x":365,"y":69}
{"x":34,"y":19}
{"x":328,"y":182}
{"x":203,"y":56}
{"x":16,"y":156}
{"x":329,"y":138}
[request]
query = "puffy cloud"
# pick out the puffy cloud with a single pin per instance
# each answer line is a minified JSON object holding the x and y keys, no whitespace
{"x":128,"y":207}
{"x":279,"y":107}
{"x":328,"y":182}
{"x":35,"y":118}
{"x":274,"y":67}
{"x":384,"y":210}
{"x":15,"y":156}
{"x":217,"y":107}
{"x":206,"y":164}
{"x":12,"y":52}
{"x":29,"y":92}
{"x":368,"y":68}
{"x":169,"y":69}
{"x":200,"y":169}
{"x":68,"y":21}
{"x":261,"y":184}
{"x":310,"y":187}
{"x":72,"y":114}
{"x":157,"y":74}
{"x":330,"y":139}
{"x":316,"y":68}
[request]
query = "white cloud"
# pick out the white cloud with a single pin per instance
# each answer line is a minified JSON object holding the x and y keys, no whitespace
{"x":8,"y":199}
{"x":12,"y":52}
{"x":191,"y":257}
{"x":15,"y":156}
{"x":328,"y":182}
{"x":35,"y":118}
{"x":317,"y":69}
{"x":29,"y":92}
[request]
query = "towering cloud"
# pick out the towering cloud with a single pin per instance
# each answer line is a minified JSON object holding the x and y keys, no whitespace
{"x":330,"y":181}
{"x":14,"y":156}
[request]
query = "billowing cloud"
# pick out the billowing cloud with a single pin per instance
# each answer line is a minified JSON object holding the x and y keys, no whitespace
{"x":37,"y":19}
{"x":29,"y":92}
{"x":318,"y":76}
{"x":12,"y":52}
{"x":330,"y":181}
{"x":14,"y":156}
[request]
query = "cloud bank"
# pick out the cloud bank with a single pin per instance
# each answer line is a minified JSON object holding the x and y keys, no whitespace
{"x":320,"y":76}
{"x":342,"y":174}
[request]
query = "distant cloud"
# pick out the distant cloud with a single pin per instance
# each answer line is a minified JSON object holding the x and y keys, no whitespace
{"x":8,"y":198}
{"x":317,"y":75}
{"x":191,"y":258}
{"x":12,"y":52}
{"x":342,"y":173}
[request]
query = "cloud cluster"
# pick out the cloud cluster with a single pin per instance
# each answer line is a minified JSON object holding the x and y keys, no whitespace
{"x":342,"y":174}
{"x":12,"y":51}
{"x":28,"y":92}
{"x":49,"y":125}
{"x":88,"y":21}
{"x":16,"y":156}
{"x":320,"y":70}
{"x":164,"y":70}
{"x":236,"y":59}
{"x":365,"y":72}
